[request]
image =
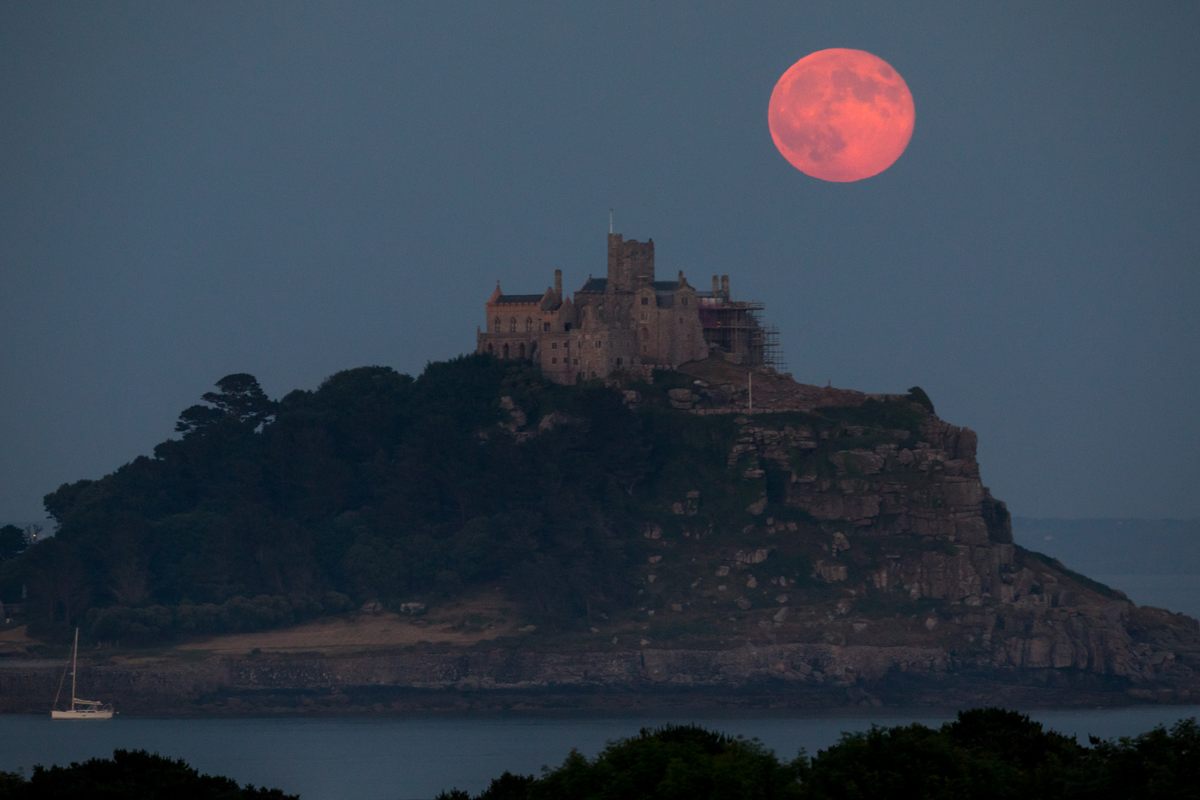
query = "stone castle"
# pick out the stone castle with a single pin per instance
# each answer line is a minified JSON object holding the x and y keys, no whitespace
{"x":627,"y":322}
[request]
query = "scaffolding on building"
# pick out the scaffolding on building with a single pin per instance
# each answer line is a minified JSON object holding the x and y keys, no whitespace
{"x":736,"y":328}
{"x":770,"y":349}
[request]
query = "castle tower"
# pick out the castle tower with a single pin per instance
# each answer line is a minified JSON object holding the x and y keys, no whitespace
{"x":630,"y":264}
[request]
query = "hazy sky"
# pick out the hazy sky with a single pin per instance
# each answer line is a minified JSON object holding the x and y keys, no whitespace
{"x":290,"y":189}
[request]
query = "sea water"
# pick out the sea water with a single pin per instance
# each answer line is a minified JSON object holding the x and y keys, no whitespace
{"x":389,"y":758}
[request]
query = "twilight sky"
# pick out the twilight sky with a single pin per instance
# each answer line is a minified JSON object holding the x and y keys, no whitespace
{"x":290,"y":189}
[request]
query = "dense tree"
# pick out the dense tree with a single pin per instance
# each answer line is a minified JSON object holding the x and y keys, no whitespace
{"x":1163,"y":764}
{"x":240,"y":401}
{"x":129,"y":775}
{"x":983,"y":754}
{"x":675,"y":762}
{"x":12,"y":541}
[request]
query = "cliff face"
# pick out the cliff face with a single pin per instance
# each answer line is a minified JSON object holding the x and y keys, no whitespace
{"x":916,"y":525}
{"x":864,"y":562}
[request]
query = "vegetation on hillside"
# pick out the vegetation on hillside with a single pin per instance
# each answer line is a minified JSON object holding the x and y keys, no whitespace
{"x":378,"y":487}
{"x":985,"y":754}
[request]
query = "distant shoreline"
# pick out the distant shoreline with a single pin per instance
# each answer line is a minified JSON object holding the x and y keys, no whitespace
{"x":207,"y":689}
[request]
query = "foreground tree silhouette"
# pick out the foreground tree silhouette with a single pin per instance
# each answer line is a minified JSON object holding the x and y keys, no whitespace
{"x":985,"y":754}
{"x":675,"y":762}
{"x":129,"y":775}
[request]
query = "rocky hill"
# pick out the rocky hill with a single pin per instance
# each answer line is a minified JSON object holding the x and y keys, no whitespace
{"x":804,"y":546}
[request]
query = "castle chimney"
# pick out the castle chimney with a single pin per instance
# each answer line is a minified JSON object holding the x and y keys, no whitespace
{"x":558,"y":284}
{"x":725,"y":286}
{"x":716,"y":286}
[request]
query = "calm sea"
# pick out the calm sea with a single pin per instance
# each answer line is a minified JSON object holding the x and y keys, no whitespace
{"x":403,"y":758}
{"x":1179,"y":593}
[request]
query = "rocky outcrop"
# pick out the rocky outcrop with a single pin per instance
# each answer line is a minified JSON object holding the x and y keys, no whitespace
{"x":915,"y":530}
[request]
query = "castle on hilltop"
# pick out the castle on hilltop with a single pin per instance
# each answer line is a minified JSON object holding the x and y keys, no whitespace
{"x":626,"y":322}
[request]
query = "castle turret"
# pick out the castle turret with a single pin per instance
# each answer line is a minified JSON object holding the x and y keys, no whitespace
{"x":558,"y":284}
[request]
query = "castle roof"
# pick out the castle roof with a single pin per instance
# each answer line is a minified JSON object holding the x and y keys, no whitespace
{"x":518,"y":299}
{"x":600,"y":285}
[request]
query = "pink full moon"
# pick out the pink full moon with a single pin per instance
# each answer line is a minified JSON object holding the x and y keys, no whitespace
{"x":841,"y":115}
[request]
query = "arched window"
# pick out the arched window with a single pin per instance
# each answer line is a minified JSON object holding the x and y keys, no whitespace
{"x":512,"y":324}
{"x":529,"y":323}
{"x":504,"y":352}
{"x":491,"y":350}
{"x":521,"y":351}
{"x":497,"y":324}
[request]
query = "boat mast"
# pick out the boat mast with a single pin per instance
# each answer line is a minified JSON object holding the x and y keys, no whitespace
{"x":74,"y":656}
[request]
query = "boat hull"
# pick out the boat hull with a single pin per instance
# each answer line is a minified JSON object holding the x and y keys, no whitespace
{"x":105,"y":714}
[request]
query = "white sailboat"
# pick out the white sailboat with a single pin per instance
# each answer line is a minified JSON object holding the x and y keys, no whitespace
{"x":80,"y":708}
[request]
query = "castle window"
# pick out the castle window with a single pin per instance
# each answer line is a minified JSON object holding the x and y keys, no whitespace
{"x":512,"y":324}
{"x":545,"y":326}
{"x":577,"y":362}
{"x":554,"y":345}
{"x":521,"y":350}
{"x":567,"y":343}
{"x":528,"y":323}
{"x":497,"y":325}
{"x":645,"y":301}
{"x":599,"y":344}
{"x":618,"y":361}
{"x":683,"y":300}
{"x":554,"y":361}
{"x":644,"y":316}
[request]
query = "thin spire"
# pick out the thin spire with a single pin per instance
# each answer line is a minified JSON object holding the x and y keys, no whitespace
{"x":610,"y":220}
